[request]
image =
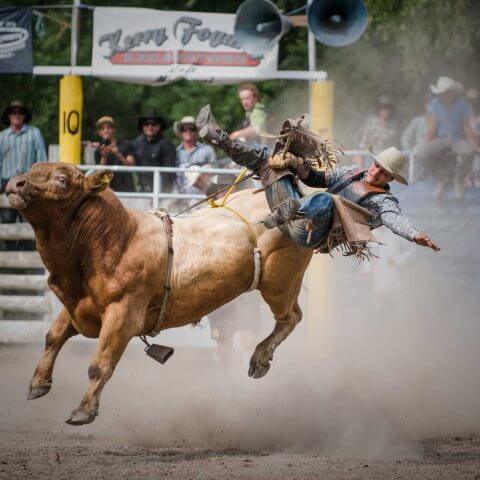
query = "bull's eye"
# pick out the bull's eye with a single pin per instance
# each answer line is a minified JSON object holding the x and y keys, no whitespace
{"x":62,"y":180}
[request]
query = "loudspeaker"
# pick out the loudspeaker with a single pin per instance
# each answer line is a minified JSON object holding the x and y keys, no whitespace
{"x":259,"y":25}
{"x":337,"y":23}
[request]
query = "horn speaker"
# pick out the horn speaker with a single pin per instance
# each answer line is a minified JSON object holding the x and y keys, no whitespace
{"x":337,"y":23}
{"x":259,"y":24}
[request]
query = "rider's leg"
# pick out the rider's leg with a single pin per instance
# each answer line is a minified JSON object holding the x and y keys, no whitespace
{"x":279,"y":185}
{"x":246,"y":155}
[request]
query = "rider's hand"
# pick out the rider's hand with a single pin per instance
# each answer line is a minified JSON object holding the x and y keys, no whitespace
{"x":281,"y":161}
{"x":424,"y":240}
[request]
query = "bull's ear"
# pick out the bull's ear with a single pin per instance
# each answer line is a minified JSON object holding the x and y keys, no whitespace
{"x":98,"y":181}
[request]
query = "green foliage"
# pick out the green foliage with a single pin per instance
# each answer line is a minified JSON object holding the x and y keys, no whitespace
{"x":407,"y":45}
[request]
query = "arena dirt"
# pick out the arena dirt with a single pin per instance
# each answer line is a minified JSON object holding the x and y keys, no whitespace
{"x":198,"y":418}
{"x":375,"y":383}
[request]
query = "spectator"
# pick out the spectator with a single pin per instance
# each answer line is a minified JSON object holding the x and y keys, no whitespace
{"x":191,"y":151}
{"x":255,"y":113}
{"x":21,"y":145}
{"x":450,"y":138}
{"x":112,"y":151}
{"x":473,"y":97}
{"x":415,"y":134}
{"x":151,"y":149}
{"x":379,"y":130}
{"x":196,"y":182}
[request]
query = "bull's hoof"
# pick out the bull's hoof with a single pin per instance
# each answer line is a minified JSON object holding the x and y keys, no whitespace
{"x":80,"y":417}
{"x":258,"y":369}
{"x":39,"y":391}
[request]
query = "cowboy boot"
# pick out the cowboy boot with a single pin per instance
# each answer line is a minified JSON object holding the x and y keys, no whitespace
{"x":246,"y":155}
{"x":284,"y":213}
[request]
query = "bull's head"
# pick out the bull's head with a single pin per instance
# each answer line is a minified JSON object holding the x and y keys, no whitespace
{"x":51,"y":186}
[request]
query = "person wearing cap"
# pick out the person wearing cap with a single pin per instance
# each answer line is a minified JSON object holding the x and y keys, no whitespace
{"x":191,"y":151}
{"x":379,"y":130}
{"x":368,"y":188}
{"x":451,"y":139}
{"x":151,"y":149}
{"x":112,"y":151}
{"x":21,"y":145}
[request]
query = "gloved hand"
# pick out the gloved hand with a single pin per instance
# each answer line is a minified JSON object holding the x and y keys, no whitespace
{"x":279,"y":161}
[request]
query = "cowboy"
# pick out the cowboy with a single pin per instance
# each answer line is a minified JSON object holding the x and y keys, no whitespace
{"x":152,"y":149}
{"x":112,"y":151}
{"x":450,"y":137}
{"x":21,"y":145}
{"x":191,"y":152}
{"x":365,"y":188}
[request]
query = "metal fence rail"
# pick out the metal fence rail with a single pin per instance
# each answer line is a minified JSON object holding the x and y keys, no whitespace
{"x":156,"y":194}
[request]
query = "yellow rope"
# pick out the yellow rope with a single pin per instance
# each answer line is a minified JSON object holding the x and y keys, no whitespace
{"x":214,"y":204}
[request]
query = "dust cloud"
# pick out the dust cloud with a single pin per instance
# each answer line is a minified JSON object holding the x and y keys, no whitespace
{"x":386,"y":355}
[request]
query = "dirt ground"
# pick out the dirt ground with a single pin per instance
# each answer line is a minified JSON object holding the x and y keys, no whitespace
{"x":215,"y":428}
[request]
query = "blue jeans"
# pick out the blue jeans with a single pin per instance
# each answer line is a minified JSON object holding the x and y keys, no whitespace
{"x":317,"y":206}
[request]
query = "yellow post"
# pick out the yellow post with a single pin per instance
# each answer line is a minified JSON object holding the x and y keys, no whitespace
{"x":70,"y":125}
{"x":321,"y":108}
{"x":321,"y":122}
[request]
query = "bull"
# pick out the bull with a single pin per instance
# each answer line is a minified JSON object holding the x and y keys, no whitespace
{"x":107,"y":266}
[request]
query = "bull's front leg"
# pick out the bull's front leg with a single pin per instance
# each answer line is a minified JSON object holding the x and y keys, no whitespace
{"x":60,"y":331}
{"x":120,"y":323}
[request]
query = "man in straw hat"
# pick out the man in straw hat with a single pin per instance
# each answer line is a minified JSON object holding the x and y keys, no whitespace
{"x":451,"y":139}
{"x":357,"y":200}
{"x":191,"y":151}
{"x":113,"y":151}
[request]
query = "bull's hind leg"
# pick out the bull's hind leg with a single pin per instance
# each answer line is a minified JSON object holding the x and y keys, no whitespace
{"x":287,"y":314}
{"x":60,"y":331}
{"x":120,"y":324}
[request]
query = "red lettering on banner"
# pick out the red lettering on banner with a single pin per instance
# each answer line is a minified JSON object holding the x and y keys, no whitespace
{"x":185,"y":57}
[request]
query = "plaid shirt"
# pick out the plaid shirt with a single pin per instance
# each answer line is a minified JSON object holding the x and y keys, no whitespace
{"x":19,"y":151}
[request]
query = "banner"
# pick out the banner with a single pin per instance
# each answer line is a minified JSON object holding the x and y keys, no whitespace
{"x":16,"y":54}
{"x":155,"y":47}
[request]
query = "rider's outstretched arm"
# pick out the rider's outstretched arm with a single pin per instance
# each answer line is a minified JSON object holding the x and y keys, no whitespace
{"x":399,"y":224}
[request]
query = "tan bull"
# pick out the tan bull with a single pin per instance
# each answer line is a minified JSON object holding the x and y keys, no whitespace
{"x":108,"y":264}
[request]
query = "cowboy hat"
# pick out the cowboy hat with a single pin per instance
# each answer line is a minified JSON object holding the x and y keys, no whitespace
{"x":105,"y":119}
{"x":192,"y":173}
{"x":152,"y":116}
{"x":187,"y":120}
{"x":384,"y":101}
{"x":16,"y":105}
{"x":392,"y":160}
{"x":445,"y":84}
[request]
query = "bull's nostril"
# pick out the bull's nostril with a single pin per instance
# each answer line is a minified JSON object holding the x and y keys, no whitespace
{"x":20,"y":183}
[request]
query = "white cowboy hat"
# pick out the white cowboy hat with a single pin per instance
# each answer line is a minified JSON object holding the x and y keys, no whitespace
{"x":192,"y":173}
{"x":445,"y":84}
{"x":393,"y":161}
{"x":177,"y":126}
